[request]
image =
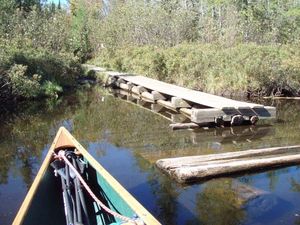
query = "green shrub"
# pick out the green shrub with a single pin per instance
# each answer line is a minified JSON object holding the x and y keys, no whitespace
{"x":64,"y":68}
{"x":22,"y":85}
{"x":51,"y":89}
{"x":38,"y":42}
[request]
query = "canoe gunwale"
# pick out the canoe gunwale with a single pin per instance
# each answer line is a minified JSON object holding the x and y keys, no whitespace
{"x":65,"y":140}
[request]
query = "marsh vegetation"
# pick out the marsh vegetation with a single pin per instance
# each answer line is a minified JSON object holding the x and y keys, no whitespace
{"x":224,"y":47}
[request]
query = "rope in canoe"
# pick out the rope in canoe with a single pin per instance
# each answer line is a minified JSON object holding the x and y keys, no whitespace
{"x":61,"y":155}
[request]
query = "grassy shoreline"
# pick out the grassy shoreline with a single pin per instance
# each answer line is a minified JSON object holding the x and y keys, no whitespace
{"x":245,"y":69}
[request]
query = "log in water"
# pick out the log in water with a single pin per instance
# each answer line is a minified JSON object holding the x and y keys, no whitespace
{"x":178,"y":126}
{"x":189,"y":169}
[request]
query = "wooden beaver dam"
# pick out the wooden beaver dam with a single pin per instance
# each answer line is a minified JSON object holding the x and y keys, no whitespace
{"x":194,"y":168}
{"x":199,"y":108}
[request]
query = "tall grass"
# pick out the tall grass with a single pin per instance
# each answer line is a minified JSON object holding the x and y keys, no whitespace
{"x":242,"y":69}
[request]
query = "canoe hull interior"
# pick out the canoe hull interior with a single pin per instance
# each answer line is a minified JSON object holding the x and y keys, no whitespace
{"x":109,"y":196}
{"x":47,"y":205}
{"x":44,"y":202}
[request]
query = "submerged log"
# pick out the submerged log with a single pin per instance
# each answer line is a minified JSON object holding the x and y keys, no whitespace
{"x":246,"y":193}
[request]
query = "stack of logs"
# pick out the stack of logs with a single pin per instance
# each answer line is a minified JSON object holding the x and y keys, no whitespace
{"x":198,"y":115}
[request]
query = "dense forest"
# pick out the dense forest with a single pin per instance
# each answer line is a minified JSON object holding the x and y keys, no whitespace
{"x":219,"y":46}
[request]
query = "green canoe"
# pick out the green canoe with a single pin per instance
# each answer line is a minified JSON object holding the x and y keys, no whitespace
{"x":59,"y":198}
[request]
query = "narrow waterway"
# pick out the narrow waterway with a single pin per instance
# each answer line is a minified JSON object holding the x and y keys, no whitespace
{"x":127,"y":140}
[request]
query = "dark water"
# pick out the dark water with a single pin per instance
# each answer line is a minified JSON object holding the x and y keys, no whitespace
{"x":127,"y":140}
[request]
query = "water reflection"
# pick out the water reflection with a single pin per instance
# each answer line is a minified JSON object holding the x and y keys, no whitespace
{"x":220,"y":203}
{"x":120,"y":132}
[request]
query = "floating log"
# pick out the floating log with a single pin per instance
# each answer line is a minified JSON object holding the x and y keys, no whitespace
{"x":188,"y":169}
{"x":282,"y":98}
{"x":190,"y":174}
{"x":170,"y":163}
{"x":178,"y":126}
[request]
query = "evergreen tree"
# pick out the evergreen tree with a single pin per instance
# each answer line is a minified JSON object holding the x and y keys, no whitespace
{"x":52,"y":8}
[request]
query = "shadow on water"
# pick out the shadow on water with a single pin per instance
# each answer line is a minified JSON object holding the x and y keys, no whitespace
{"x":135,"y":138}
